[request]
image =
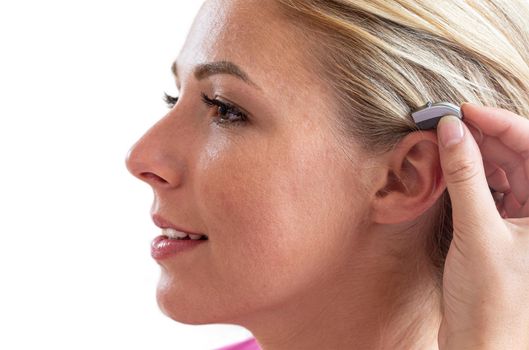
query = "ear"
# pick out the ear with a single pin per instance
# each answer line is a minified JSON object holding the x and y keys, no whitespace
{"x":412,"y":181}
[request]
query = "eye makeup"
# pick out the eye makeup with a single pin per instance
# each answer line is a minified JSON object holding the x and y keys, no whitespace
{"x":225,"y":112}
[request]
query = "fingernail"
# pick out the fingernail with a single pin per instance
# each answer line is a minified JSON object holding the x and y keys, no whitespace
{"x":463,"y":105}
{"x":450,"y":131}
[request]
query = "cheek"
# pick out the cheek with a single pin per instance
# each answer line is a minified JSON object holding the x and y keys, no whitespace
{"x":276,"y":214}
{"x":260,"y":194}
{"x":239,"y":192}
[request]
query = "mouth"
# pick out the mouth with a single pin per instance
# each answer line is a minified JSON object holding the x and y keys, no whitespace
{"x":163,"y":247}
{"x":172,"y":233}
{"x":173,"y":241}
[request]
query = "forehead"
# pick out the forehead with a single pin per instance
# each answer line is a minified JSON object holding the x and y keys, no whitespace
{"x":252,"y":34}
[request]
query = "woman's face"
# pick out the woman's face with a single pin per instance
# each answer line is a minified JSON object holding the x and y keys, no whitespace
{"x":277,"y":195}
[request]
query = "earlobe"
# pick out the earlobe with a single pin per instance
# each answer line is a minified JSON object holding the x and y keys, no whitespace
{"x":412,"y":182}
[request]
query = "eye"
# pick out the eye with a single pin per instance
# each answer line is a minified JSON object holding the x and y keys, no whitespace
{"x":170,"y":100}
{"x":226,"y":112}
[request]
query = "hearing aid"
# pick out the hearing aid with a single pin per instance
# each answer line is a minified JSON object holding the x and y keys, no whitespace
{"x":428,"y":116}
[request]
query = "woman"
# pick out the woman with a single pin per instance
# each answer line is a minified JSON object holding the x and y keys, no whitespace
{"x":317,"y":215}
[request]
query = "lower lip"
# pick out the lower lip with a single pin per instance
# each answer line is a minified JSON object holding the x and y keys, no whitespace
{"x":163,"y":247}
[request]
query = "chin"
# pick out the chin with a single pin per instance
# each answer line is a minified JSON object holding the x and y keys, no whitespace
{"x":181,"y":309}
{"x":181,"y":306}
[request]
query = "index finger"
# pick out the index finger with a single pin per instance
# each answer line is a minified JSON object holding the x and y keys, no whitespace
{"x":510,"y":128}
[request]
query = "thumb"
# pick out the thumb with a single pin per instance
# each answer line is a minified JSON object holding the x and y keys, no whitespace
{"x":472,"y":202}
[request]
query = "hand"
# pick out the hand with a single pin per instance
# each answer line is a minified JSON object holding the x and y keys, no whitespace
{"x":486,"y":274}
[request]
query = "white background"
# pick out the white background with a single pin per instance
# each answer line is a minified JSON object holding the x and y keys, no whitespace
{"x":80,"y":81}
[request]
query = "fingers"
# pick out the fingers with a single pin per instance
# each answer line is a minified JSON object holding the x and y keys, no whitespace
{"x":496,"y":177}
{"x":503,"y":138}
{"x":511,"y":206}
{"x":464,"y":174}
{"x":495,"y":152}
{"x":510,"y":128}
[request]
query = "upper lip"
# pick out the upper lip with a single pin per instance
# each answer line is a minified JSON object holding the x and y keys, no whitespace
{"x":164,"y":223}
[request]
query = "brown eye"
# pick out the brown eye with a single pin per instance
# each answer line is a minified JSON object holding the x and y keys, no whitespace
{"x":226,"y":113}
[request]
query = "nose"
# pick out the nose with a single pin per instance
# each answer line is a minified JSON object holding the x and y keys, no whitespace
{"x":155,"y":159}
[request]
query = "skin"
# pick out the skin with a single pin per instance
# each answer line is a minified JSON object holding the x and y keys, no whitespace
{"x":486,"y":275}
{"x":313,"y":243}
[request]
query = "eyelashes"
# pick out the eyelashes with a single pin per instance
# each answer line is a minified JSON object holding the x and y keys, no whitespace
{"x":225,"y":113}
{"x":169,"y":100}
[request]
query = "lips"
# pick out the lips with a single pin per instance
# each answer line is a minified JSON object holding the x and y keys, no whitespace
{"x":174,"y":240}
{"x":163,"y":247}
{"x":173,"y":231}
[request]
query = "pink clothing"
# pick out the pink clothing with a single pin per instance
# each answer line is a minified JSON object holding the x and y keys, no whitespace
{"x":250,"y":344}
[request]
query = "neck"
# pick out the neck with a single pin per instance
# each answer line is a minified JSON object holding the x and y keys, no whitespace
{"x":379,"y":307}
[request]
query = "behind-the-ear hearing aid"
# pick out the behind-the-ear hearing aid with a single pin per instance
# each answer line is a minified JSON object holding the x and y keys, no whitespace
{"x":428,"y":116}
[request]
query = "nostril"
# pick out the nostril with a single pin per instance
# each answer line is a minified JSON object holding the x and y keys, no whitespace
{"x":152,"y":178}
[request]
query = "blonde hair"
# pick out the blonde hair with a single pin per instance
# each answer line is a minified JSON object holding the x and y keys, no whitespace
{"x":385,"y":58}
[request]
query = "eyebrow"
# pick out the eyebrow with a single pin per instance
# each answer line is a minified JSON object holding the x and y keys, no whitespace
{"x":205,"y":70}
